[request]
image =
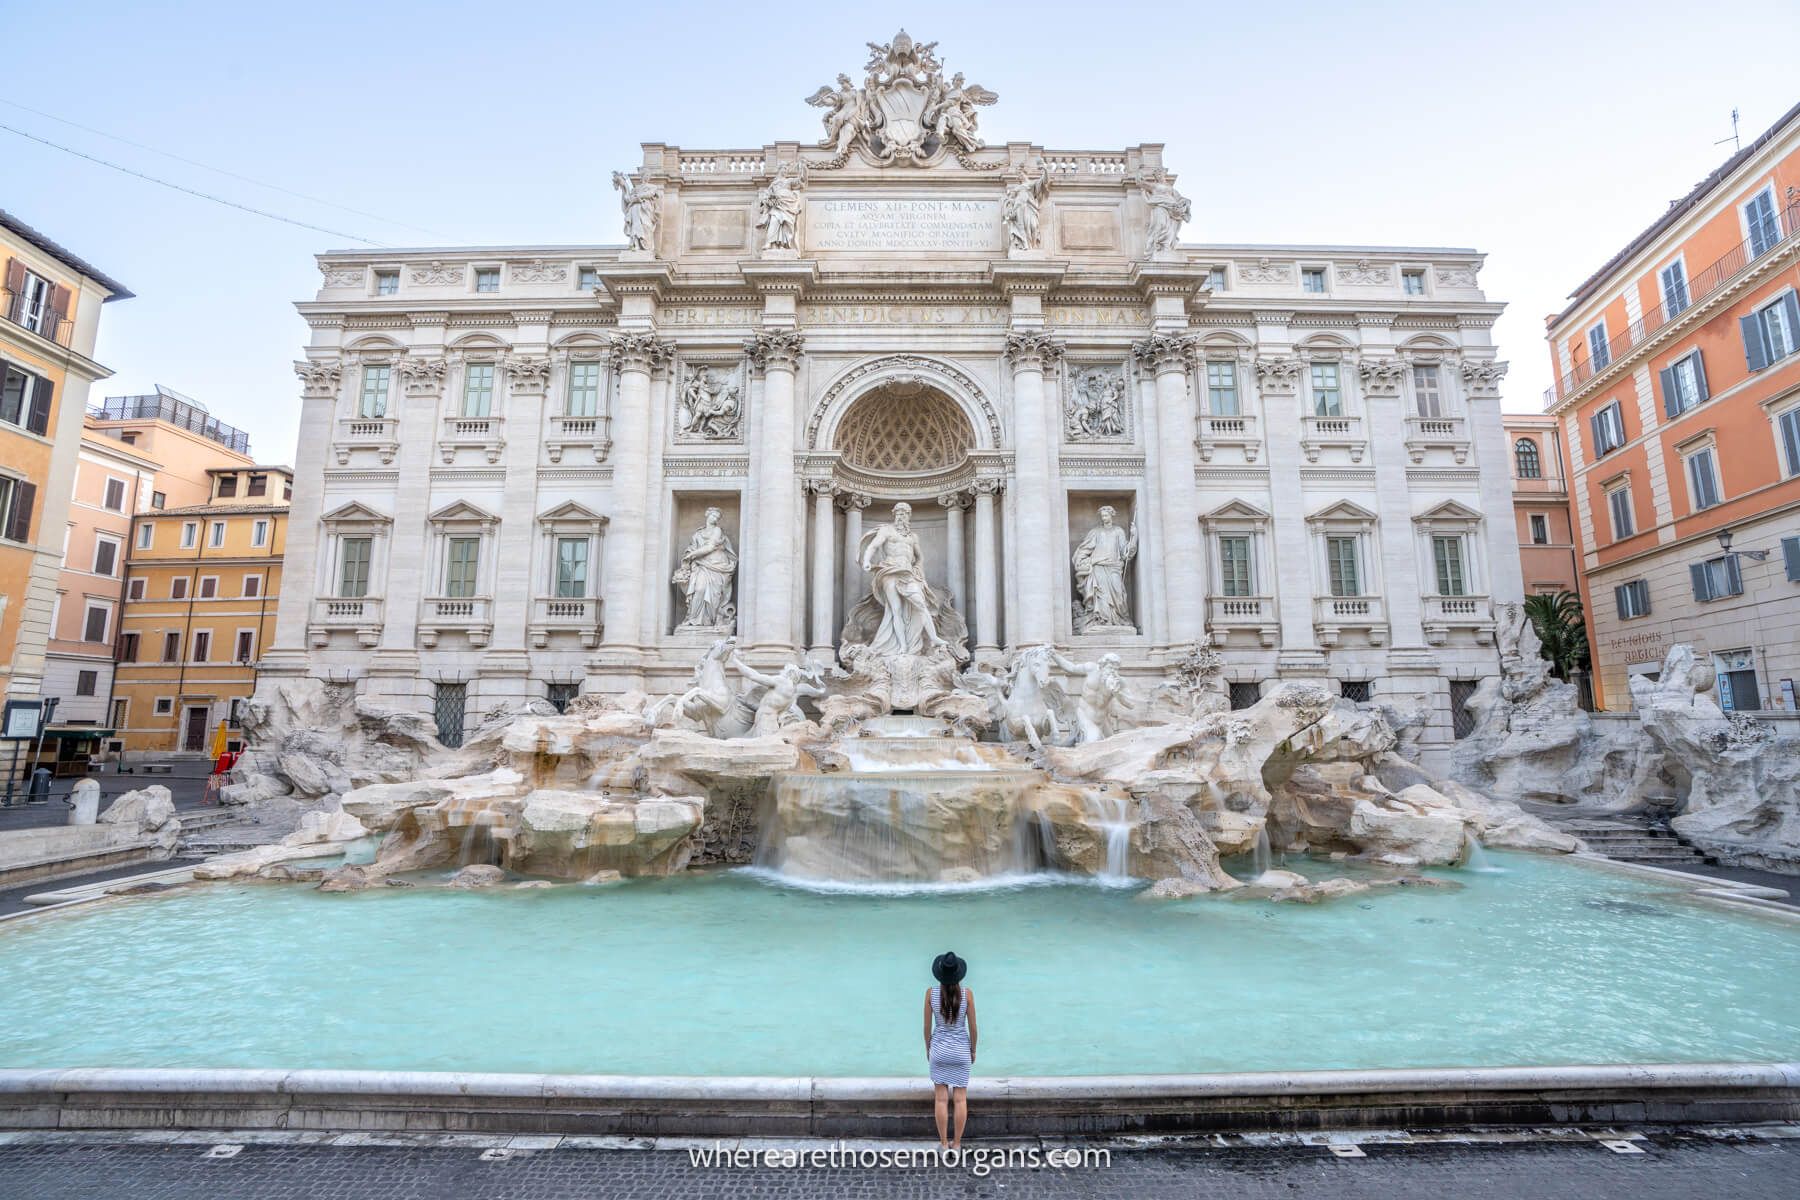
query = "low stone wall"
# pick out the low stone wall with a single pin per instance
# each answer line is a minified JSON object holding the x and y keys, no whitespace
{"x":418,"y":1102}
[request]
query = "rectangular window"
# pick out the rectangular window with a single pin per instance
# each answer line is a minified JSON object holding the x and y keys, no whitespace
{"x":259,"y":486}
{"x":487,"y":279}
{"x":135,"y":591}
{"x":86,"y":682}
{"x":584,"y":390}
{"x":227,"y":485}
{"x":94,"y":623}
{"x":1703,"y":479}
{"x":1633,"y":599}
{"x":1609,"y":429}
{"x":1340,"y":561}
{"x":1462,"y":718}
{"x":1789,"y":423}
{"x":165,"y":705}
{"x":1222,"y":389}
{"x":1428,"y":390}
{"x":1215,"y":279}
{"x":1245,"y":694}
{"x":259,"y":534}
{"x":478,"y":390}
{"x":16,"y":500}
{"x":202,"y":645}
{"x":128,"y":647}
{"x":25,"y":399}
{"x":1683,"y":384}
{"x":560,"y":694}
{"x":353,"y":570}
{"x":1412,"y":282}
{"x":1771,"y":332}
{"x":1760,"y":224}
{"x":178,"y":588}
{"x":1736,"y":672}
{"x":190,"y":534}
{"x":209,"y":587}
{"x":387,"y":283}
{"x":571,"y":566}
{"x":1354,"y":690}
{"x":1716,"y":578}
{"x":1540,"y":529}
{"x":1447,"y":556}
{"x":1618,"y":503}
{"x":1673,"y":279}
{"x":1312,"y":279}
{"x":1790,"y":558}
{"x":587,"y":279}
{"x":449,"y":704}
{"x":252,"y":587}
{"x":218,"y":534}
{"x":171,"y":647}
{"x":158,"y":500}
{"x":1328,"y":397}
{"x":463,"y":554}
{"x":115,"y":495}
{"x":146,"y":532}
{"x":106,"y":556}
{"x":375,"y":380}
{"x":246,"y":645}
{"x":1234,"y":565}
{"x":1599,"y":348}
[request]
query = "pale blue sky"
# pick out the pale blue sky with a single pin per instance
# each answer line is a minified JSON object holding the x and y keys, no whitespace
{"x":1543,"y":134}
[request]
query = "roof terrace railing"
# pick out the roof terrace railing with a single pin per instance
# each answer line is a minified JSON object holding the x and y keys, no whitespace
{"x":1702,"y":287}
{"x":180,"y":414}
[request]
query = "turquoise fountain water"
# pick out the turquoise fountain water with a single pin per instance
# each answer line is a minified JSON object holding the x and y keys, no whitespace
{"x":1541,"y":962}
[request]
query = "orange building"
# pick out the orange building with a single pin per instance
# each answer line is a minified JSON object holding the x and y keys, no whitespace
{"x":1678,"y":398}
{"x":1540,"y":481}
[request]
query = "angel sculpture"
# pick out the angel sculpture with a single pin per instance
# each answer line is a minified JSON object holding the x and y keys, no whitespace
{"x":848,"y":115}
{"x":956,"y":119}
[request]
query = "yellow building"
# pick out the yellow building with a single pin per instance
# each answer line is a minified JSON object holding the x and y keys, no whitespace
{"x":201,"y":582}
{"x":49,"y":318}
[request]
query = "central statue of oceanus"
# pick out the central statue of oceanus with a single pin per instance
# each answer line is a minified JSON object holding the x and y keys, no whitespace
{"x":896,"y":567}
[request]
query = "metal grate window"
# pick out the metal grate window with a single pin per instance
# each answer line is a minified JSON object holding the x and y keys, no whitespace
{"x":1462,"y":721}
{"x":1355,"y":689}
{"x":559,"y":694}
{"x":1243,"y":695}
{"x":449,"y":704}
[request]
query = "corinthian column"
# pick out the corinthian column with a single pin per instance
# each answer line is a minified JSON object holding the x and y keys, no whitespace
{"x":987,"y":564}
{"x":953,"y":549}
{"x":775,"y":552}
{"x":1033,"y":472}
{"x":853,"y":504}
{"x":823,"y":568}
{"x":1168,"y":356}
{"x":637,"y":354}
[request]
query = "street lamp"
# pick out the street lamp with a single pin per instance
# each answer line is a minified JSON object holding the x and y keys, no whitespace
{"x":1725,"y":545}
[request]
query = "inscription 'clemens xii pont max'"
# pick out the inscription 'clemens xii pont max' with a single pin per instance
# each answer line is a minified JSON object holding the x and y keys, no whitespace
{"x":874,"y":225}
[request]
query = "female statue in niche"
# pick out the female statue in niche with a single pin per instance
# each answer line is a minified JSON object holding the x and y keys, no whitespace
{"x":1100,"y":563}
{"x":705,"y":573}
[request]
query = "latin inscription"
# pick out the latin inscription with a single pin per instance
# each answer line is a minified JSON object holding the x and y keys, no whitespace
{"x":822,"y":313}
{"x":877,"y":225}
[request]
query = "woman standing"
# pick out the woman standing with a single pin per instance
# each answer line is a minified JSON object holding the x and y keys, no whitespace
{"x":950,"y":1042}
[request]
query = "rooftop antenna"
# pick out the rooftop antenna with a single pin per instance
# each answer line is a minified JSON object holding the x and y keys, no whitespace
{"x":1733,"y":139}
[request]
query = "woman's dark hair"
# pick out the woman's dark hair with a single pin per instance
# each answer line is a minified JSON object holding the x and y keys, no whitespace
{"x":948,"y":970}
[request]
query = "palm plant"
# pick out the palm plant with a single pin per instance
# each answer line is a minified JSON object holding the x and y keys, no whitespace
{"x":1557,"y":618}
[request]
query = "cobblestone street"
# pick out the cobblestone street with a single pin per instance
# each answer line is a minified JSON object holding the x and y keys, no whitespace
{"x":1679,"y":1166}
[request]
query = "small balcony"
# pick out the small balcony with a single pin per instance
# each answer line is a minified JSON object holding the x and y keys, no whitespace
{"x":35,"y":314}
{"x":1333,"y":615}
{"x":593,"y":434}
{"x":578,"y":615}
{"x":360,"y":615}
{"x":1444,"y":614}
{"x":485,"y":435}
{"x":1239,"y":431}
{"x":380,"y":434}
{"x":1226,"y":615}
{"x":469,"y":615}
{"x":1322,"y":433}
{"x":1437,"y":433}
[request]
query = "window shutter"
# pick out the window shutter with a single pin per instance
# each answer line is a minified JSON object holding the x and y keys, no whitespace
{"x":18,"y":525}
{"x":1734,"y":582}
{"x":1700,"y":392}
{"x":1619,"y":599}
{"x":59,"y":304}
{"x":1755,"y":353}
{"x":37,"y":418}
{"x":15,"y":276}
{"x":1643,"y":597}
{"x":1790,"y":554}
{"x":1671,"y":402}
{"x":1698,"y":572}
{"x":1599,"y":436}
{"x":1790,"y":309}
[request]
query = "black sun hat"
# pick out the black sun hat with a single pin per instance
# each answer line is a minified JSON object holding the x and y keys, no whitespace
{"x":947,"y":968}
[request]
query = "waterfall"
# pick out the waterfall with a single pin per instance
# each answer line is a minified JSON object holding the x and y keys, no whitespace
{"x":1475,"y":858}
{"x":1261,"y":859}
{"x":1112,"y":815}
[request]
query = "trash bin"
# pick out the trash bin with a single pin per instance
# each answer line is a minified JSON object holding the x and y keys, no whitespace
{"x":39,"y":791}
{"x":84,"y":803}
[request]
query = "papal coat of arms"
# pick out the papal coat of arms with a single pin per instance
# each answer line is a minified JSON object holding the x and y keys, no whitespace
{"x":905,"y":112}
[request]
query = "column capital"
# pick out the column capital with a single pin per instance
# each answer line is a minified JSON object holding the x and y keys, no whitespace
{"x":422,"y":376}
{"x":776,"y":349}
{"x":988,"y":486}
{"x":823,"y":487}
{"x":1380,"y":375}
{"x":1028,"y":350}
{"x":954,"y":499}
{"x":1278,"y":375}
{"x":1165,"y":352}
{"x":1482,"y":376}
{"x":319,"y":380}
{"x":853,"y":501}
{"x":640,"y":351}
{"x":527,"y":374}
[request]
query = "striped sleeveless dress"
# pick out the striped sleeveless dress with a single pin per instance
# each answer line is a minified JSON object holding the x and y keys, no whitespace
{"x":949,"y":1055}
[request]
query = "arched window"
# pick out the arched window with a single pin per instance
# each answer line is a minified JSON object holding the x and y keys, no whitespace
{"x":1525,"y":451}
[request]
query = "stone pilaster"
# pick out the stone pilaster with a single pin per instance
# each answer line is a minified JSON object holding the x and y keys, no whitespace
{"x":1029,"y":353}
{"x":1168,"y":357}
{"x":953,"y":504}
{"x":853,"y":504}
{"x":987,"y":567}
{"x":638,"y":355}
{"x":824,"y":568}
{"x":776,"y":355}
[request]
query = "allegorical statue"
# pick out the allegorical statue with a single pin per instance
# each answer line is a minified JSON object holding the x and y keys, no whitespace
{"x":1103,"y":698}
{"x":1100,"y":563}
{"x":1168,"y":209}
{"x":709,"y":408}
{"x":896,"y":570}
{"x":640,"y":203}
{"x":778,"y":208}
{"x":1096,"y":405}
{"x":1021,"y":207}
{"x":705,"y":573}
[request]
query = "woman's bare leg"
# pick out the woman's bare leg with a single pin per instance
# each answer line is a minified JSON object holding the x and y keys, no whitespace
{"x":962,"y":1116}
{"x":943,"y":1095}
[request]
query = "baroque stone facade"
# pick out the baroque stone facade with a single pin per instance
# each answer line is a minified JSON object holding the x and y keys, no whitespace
{"x":505,"y":454}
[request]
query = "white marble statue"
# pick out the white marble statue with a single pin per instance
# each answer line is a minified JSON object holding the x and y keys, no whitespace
{"x":905,"y":112}
{"x":1100,"y":563}
{"x":896,"y":568}
{"x":956,"y":120}
{"x":1027,"y":703}
{"x":1095,"y":407}
{"x":778,"y":208}
{"x":1168,"y":209}
{"x":710,"y":700}
{"x":779,"y":705}
{"x":640,"y":203}
{"x":1103,"y":698}
{"x":707,"y":567}
{"x":710,"y":408}
{"x":1021,"y":209}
